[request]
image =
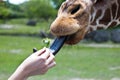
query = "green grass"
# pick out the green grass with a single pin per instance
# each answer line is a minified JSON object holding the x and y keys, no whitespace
{"x":13,"y":50}
{"x":82,"y":61}
{"x":73,"y":62}
{"x":18,"y":26}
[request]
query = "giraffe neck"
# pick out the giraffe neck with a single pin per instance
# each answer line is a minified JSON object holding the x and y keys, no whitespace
{"x":105,"y":14}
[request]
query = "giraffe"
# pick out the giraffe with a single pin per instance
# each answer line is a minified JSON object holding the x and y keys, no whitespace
{"x":78,"y":17}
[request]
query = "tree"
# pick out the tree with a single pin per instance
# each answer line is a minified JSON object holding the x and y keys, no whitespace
{"x":39,"y":9}
{"x":57,"y":3}
{"x":4,"y":11}
{"x":8,"y":10}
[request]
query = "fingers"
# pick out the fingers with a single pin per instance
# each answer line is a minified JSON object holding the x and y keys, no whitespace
{"x":46,"y":54}
{"x":50,"y":59}
{"x":41,"y":51}
{"x":52,"y":64}
{"x":46,"y":57}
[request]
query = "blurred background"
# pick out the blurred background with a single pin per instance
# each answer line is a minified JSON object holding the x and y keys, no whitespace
{"x":24,"y":24}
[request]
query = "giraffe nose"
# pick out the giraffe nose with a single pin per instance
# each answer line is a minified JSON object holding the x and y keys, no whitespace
{"x":75,"y":9}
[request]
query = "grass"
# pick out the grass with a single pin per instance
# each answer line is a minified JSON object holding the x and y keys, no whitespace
{"x":18,"y":26}
{"x":84,"y":61}
{"x":13,"y":50}
{"x":73,"y":62}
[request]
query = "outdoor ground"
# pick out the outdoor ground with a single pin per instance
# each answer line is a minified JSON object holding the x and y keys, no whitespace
{"x":80,"y":62}
{"x":84,"y":61}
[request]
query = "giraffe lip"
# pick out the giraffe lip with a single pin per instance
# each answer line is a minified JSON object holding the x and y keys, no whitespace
{"x":71,"y":36}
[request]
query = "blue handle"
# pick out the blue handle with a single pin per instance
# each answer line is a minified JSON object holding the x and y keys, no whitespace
{"x":57,"y":44}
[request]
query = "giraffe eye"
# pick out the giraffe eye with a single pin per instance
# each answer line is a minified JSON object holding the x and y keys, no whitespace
{"x":75,"y":9}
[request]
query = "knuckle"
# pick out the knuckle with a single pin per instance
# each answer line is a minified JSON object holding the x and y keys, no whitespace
{"x":42,"y":59}
{"x":45,"y":65}
{"x":53,"y":56}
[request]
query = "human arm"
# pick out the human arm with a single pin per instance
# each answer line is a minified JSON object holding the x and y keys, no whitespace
{"x":36,"y":64}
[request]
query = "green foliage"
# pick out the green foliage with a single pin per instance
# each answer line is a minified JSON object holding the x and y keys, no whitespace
{"x":39,"y":9}
{"x":115,"y":27}
{"x":8,"y":11}
{"x":57,"y":3}
{"x":47,"y":42}
{"x":30,"y":9}
{"x":1,"y":21}
{"x":4,"y":12}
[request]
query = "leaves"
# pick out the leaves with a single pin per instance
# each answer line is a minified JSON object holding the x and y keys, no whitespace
{"x":57,"y":3}
{"x":39,"y":9}
{"x":47,"y":42}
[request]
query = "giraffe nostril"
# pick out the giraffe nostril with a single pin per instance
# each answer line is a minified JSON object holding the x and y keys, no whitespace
{"x":75,"y":9}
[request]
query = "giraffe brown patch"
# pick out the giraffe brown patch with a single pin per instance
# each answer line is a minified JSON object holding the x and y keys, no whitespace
{"x":98,"y":14}
{"x":99,"y":27}
{"x":106,"y":18}
{"x":113,"y":24}
{"x":99,"y":3}
{"x":119,"y":10}
{"x":90,"y":29}
{"x":114,"y":8}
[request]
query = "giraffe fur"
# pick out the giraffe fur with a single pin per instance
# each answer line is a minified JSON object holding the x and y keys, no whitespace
{"x":78,"y":17}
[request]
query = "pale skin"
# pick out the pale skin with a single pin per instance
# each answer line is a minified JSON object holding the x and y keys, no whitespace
{"x":36,"y":64}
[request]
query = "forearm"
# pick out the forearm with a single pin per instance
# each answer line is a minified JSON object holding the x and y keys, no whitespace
{"x":19,"y":74}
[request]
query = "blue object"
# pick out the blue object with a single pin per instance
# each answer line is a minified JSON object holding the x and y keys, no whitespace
{"x":57,"y":44}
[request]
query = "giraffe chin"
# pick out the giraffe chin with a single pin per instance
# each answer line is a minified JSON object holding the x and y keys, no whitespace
{"x":72,"y":39}
{"x":75,"y":38}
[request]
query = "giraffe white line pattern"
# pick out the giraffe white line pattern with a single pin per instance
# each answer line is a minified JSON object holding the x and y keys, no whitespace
{"x":113,"y":17}
{"x":78,"y":17}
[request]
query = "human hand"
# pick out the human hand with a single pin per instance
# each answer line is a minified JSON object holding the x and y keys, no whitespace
{"x":39,"y":62}
{"x":36,"y":64}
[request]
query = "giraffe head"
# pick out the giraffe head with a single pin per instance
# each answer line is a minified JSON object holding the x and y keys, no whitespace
{"x":72,"y":20}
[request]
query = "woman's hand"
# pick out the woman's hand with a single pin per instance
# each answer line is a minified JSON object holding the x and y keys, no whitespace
{"x":36,"y":64}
